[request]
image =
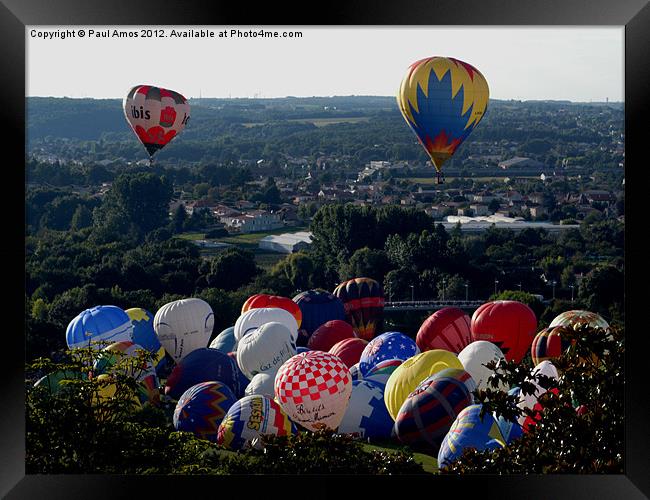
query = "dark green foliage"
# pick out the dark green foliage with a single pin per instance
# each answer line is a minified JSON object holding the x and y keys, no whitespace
{"x":231,"y":269}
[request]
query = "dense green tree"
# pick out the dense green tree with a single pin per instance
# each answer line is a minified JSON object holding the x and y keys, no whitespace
{"x":232,"y":268}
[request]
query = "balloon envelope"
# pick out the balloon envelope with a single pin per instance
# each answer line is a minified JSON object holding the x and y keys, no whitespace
{"x":265,"y":349}
{"x":99,"y":324}
{"x":314,"y":388}
{"x":475,"y":356}
{"x":183,"y":326}
{"x":261,"y":384}
{"x":447,"y":328}
{"x":349,"y":350}
{"x":442,"y":100}
{"x":366,"y":414}
{"x":579,"y":317}
{"x":328,"y":334}
{"x":145,"y":335}
{"x":548,"y":345}
{"x":317,"y":307}
{"x":389,"y":345}
{"x":264,"y":300}
{"x":156,"y":115}
{"x":225,"y":341}
{"x":201,"y":409}
{"x":508,"y":324}
{"x":381,"y":372}
{"x":363,"y":301}
{"x":254,"y":318}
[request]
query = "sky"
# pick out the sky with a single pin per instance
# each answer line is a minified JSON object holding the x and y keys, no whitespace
{"x":579,"y":64}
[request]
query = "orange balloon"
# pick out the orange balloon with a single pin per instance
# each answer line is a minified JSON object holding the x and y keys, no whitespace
{"x":264,"y":300}
{"x":246,"y":305}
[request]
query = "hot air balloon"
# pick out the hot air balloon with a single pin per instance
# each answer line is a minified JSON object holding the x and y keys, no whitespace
{"x":264,"y":300}
{"x":389,"y":345}
{"x":470,"y":430}
{"x":548,"y":345}
{"x":59,"y":380}
{"x":411,"y":372}
{"x":355,"y":373}
{"x":381,"y":372}
{"x":262,"y":384}
{"x":366,"y":415}
{"x":328,"y":334}
{"x":265,"y":349}
{"x":249,"y":419}
{"x":363,"y":301}
{"x":349,"y":350}
{"x":183,"y":326}
{"x":254,"y":318}
{"x":317,"y":307}
{"x":530,"y":401}
{"x":447,"y":328}
{"x":314,"y":389}
{"x":105,"y":324}
{"x":203,"y":365}
{"x":578,"y":317}
{"x":508,"y":324}
{"x":442,"y":99}
{"x":144,"y":335}
{"x":225,"y":341}
{"x":156,"y":115}
{"x":428,"y":412}
{"x":474,"y":358}
{"x":201,"y":409}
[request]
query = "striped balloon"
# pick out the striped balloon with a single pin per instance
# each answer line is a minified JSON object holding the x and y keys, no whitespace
{"x":363,"y":300}
{"x":317,"y":308}
{"x":381,"y":372}
{"x":428,"y":412}
{"x":548,"y":345}
{"x":447,"y":328}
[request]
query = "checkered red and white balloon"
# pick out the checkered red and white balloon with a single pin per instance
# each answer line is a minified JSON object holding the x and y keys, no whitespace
{"x":313,"y":388}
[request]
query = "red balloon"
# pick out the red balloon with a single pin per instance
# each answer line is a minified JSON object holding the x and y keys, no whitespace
{"x":448,"y":329}
{"x":538,"y":408}
{"x":508,"y":324}
{"x":328,"y":334}
{"x":263,"y":300}
{"x":349,"y":350}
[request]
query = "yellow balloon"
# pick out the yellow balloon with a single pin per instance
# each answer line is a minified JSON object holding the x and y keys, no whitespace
{"x":108,"y":389}
{"x":409,"y":374}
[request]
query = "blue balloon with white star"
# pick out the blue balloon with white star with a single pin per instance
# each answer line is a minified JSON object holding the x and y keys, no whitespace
{"x":367,"y":415}
{"x":389,"y":345}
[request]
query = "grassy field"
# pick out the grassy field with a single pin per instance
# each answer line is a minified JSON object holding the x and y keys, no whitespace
{"x":428,"y":463}
{"x":319,"y":122}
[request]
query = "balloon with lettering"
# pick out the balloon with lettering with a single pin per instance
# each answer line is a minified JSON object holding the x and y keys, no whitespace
{"x":548,"y":345}
{"x":317,"y":307}
{"x":509,"y":324}
{"x":125,"y":357}
{"x":366,"y":414}
{"x":225,"y":341}
{"x":254,"y":318}
{"x":389,"y":345}
{"x":448,"y":328}
{"x":183,"y":326}
{"x":145,"y":335}
{"x":201,"y":409}
{"x":263,"y":300}
{"x":203,"y":365}
{"x":411,"y":372}
{"x":265,"y":349}
{"x":470,"y":430}
{"x":475,"y":356}
{"x":262,"y":383}
{"x":156,"y":115}
{"x":426,"y":415}
{"x":314,"y":388}
{"x":381,"y":372}
{"x":442,"y":100}
{"x":349,"y":350}
{"x":249,"y":419}
{"x":99,"y":326}
{"x":329,"y":333}
{"x":363,"y":300}
{"x":579,"y":317}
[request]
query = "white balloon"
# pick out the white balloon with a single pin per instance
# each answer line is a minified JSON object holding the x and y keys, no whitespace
{"x":254,"y":318}
{"x":183,"y":326}
{"x":529,"y":400}
{"x":475,"y":356}
{"x":261,"y":385}
{"x":265,"y":349}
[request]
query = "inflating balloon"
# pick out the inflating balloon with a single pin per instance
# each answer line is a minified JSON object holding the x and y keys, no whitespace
{"x":254,"y":318}
{"x":249,"y":419}
{"x":411,"y":372}
{"x":426,"y":415}
{"x":548,"y":345}
{"x":389,"y":345}
{"x":145,"y":335}
{"x":265,"y":349}
{"x":577,"y":318}
{"x":314,"y":388}
{"x":225,"y":341}
{"x":201,"y":409}
{"x":156,"y":115}
{"x":508,"y":324}
{"x":447,"y":328}
{"x":183,"y":326}
{"x":366,"y":414}
{"x":263,"y":300}
{"x":203,"y":365}
{"x":317,"y":307}
{"x":475,"y":356}
{"x":442,"y":100}
{"x":381,"y":372}
{"x":363,"y":300}
{"x":349,"y":350}
{"x":98,"y":326}
{"x":328,"y":334}
{"x":261,"y":384}
{"x":469,"y":430}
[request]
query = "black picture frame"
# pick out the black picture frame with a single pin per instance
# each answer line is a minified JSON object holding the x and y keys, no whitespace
{"x":16,"y":14}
